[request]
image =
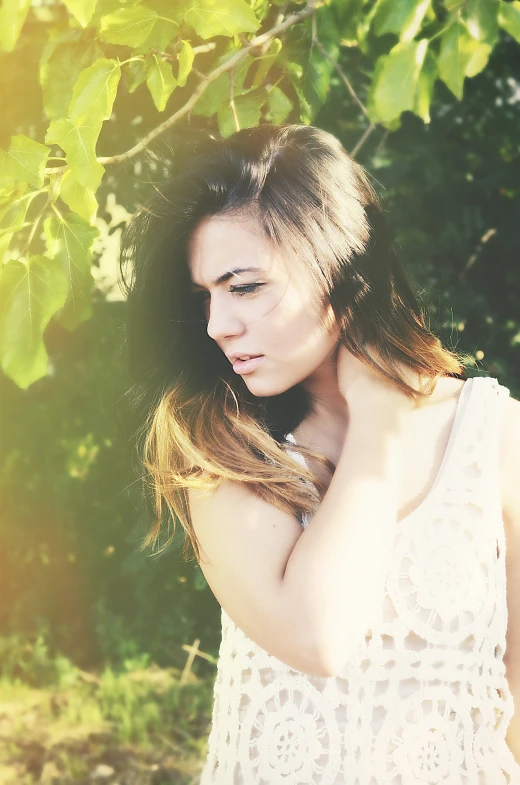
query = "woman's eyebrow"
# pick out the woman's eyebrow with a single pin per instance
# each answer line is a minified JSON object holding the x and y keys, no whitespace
{"x":229,"y":274}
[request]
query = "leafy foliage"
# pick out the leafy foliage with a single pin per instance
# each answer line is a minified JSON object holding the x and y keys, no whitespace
{"x":138,"y":723}
{"x":257,"y":68}
{"x":449,"y":171}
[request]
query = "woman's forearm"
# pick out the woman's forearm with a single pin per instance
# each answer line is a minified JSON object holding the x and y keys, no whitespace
{"x":337,"y":569}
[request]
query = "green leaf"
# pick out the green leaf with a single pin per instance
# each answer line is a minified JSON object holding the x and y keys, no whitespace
{"x":13,"y":14}
{"x":294,"y":73}
{"x":221,"y":17}
{"x":12,"y":216}
{"x":364,"y":28}
{"x":449,"y":5}
{"x":94,"y":93}
{"x":106,"y":7}
{"x":266,"y":61}
{"x":509,"y":18}
{"x":402,"y":17}
{"x":129,"y":26}
{"x":186,"y":57}
{"x":279,"y":105}
{"x":248,"y":108}
{"x":30,"y":294}
{"x":423,"y":94}
{"x":479,"y":60}
{"x":219,"y":90}
{"x":81,"y":10}
{"x":69,"y":239}
{"x":135,"y":73}
{"x":79,"y":144}
{"x":397,"y":80}
{"x":391,"y":125}
{"x":211,"y":100}
{"x":56,"y":37}
{"x":80,"y":199}
{"x":23,"y":162}
{"x":241,"y":70}
{"x":317,"y":67}
{"x":174,"y":11}
{"x":372,"y":111}
{"x":61,"y":63}
{"x":316,"y":80}
{"x":460,"y":56}
{"x":481,"y":18}
{"x":161,"y":82}
{"x":349,"y":16}
{"x":160,"y":36}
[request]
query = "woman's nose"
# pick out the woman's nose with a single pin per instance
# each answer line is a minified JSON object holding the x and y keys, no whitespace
{"x":222,"y":322}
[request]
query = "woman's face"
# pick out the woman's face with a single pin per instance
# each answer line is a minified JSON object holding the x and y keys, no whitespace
{"x":269,"y":311}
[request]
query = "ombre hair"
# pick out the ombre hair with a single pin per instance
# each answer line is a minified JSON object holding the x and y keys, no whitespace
{"x":190,"y":420}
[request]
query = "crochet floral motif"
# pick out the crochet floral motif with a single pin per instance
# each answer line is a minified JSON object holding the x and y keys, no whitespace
{"x":424,"y":699}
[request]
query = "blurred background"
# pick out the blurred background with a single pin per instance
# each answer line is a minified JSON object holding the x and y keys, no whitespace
{"x":107,"y":655}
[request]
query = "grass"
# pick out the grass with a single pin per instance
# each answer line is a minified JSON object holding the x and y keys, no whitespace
{"x":142,"y":725}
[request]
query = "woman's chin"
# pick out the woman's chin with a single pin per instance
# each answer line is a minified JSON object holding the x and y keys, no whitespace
{"x":261,"y":388}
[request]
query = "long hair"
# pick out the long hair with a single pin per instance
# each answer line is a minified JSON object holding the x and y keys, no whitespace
{"x":190,"y":421}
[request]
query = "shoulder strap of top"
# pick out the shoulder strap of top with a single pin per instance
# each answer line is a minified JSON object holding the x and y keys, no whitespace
{"x":295,"y":455}
{"x":304,"y":519}
{"x":484,"y":436}
{"x":476,"y":448}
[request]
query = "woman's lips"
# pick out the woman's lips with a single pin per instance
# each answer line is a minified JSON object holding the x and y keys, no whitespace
{"x":246,"y":366}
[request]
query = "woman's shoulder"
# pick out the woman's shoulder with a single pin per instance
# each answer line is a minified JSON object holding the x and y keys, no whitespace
{"x":447,"y":388}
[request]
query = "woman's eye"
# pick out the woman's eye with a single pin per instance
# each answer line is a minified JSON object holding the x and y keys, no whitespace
{"x":247,"y":289}
{"x":238,"y":290}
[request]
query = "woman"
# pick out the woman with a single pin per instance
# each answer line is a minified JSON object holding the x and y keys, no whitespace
{"x":364,"y":646}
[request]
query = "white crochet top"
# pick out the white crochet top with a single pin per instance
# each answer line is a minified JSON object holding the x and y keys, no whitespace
{"x":424,"y":699}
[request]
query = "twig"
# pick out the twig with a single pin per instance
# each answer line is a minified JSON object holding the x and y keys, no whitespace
{"x":316,"y":41}
{"x":200,"y":653}
{"x":381,"y":143}
{"x":204,"y":47}
{"x":281,"y":13}
{"x":165,"y":55}
{"x":232,"y":100}
{"x":344,"y":78}
{"x":363,"y":139}
{"x":195,"y":49}
{"x":275,"y":31}
{"x":476,"y":253}
{"x":11,"y":229}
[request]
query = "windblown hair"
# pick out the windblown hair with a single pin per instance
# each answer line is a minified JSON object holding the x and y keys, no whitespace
{"x":190,"y":420}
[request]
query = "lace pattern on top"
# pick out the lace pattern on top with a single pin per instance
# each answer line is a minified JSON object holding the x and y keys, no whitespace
{"x":424,"y":698}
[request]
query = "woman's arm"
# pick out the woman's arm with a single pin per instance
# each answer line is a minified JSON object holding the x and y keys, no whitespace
{"x":338,"y":566}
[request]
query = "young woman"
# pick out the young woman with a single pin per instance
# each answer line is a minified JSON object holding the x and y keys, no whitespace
{"x":346,"y":488}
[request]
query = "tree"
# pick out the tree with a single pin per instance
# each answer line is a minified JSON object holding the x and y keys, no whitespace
{"x":228,"y":63}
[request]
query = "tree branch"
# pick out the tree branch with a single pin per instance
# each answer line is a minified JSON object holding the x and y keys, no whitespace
{"x":363,"y":139}
{"x":232,"y":100}
{"x":340,"y":71}
{"x":204,"y":47}
{"x":382,"y":142}
{"x":316,"y":42}
{"x":486,"y":237}
{"x":275,"y":31}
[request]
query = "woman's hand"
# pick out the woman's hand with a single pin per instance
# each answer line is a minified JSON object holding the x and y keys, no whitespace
{"x":363,"y":387}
